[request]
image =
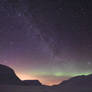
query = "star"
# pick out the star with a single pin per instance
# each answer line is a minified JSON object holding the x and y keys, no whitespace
{"x":11,"y":43}
{"x":89,"y":63}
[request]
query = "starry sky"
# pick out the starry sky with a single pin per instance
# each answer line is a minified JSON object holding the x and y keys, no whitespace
{"x":48,"y":40}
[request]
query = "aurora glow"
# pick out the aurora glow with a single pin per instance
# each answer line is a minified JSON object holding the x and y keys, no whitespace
{"x":48,"y":40}
{"x":71,"y":74}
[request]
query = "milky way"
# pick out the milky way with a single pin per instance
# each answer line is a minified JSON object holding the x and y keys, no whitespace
{"x":49,"y":40}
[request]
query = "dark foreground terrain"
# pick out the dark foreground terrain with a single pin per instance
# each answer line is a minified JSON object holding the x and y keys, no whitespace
{"x":43,"y":89}
{"x":9,"y":82}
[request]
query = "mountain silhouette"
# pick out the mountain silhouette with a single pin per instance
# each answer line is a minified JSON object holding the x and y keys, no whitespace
{"x":78,"y":81}
{"x":32,"y":82}
{"x":8,"y":76}
{"x":75,"y":84}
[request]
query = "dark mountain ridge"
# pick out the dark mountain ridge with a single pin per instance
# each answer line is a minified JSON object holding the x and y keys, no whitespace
{"x":32,"y":82}
{"x":8,"y":77}
{"x":75,"y":84}
{"x":82,"y":81}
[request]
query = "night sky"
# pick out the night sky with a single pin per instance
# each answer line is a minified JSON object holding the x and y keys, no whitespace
{"x":48,"y":40}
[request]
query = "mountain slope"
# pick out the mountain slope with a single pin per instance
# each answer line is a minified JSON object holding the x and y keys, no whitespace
{"x":75,"y":84}
{"x":8,"y":76}
{"x":32,"y":82}
{"x":78,"y":81}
